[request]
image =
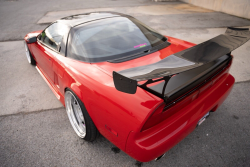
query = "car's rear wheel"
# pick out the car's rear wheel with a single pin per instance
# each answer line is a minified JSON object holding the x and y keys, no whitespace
{"x":31,"y":60}
{"x":79,"y":117}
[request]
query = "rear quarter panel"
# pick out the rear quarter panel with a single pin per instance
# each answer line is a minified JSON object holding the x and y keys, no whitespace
{"x":106,"y":106}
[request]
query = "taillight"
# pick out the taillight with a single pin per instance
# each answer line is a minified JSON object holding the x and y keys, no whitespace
{"x":154,"y":118}
{"x":164,"y":112}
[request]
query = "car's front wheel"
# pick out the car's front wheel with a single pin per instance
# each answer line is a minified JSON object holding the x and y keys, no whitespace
{"x":31,"y":60}
{"x":79,"y":117}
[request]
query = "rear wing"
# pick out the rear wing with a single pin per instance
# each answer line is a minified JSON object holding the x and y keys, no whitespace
{"x":199,"y":55}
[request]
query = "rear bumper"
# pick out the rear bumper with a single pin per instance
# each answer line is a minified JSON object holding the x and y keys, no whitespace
{"x":152,"y":143}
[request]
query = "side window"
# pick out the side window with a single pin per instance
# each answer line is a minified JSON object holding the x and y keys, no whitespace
{"x":52,"y":36}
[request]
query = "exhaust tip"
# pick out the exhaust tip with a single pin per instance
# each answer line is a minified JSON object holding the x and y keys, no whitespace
{"x":158,"y":158}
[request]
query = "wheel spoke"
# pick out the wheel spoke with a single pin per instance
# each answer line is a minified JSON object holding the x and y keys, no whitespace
{"x":74,"y":113}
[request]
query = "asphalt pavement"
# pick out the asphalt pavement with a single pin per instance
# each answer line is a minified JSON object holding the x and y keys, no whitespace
{"x":34,"y":128}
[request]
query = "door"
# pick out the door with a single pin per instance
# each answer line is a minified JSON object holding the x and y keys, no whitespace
{"x":44,"y":58}
{"x":47,"y":47}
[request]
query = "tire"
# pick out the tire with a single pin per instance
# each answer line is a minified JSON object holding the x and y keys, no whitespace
{"x":79,"y":117}
{"x":30,"y":58}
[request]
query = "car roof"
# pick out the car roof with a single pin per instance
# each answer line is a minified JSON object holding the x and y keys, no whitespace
{"x":78,"y":19}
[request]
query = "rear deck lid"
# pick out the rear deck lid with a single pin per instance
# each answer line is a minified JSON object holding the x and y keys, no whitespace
{"x":200,"y":60}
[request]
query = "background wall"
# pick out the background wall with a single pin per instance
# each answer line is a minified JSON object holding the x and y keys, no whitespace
{"x":239,"y":8}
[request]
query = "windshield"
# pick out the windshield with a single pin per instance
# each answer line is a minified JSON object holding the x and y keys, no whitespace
{"x":111,"y":38}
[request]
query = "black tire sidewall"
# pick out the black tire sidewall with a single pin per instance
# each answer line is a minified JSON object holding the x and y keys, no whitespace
{"x":91,"y":130}
{"x":32,"y":60}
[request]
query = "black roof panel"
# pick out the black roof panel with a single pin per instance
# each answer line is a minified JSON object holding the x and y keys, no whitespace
{"x":75,"y":20}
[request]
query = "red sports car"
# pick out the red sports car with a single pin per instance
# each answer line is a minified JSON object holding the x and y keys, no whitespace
{"x":141,"y":90}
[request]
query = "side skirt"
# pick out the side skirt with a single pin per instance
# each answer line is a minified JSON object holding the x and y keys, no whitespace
{"x":57,"y":94}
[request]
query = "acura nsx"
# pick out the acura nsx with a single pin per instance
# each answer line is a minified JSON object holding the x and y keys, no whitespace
{"x":141,"y":90}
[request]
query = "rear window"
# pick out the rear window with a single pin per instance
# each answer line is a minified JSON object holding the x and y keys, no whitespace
{"x":111,"y":38}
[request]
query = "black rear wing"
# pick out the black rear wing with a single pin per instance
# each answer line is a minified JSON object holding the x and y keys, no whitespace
{"x":197,"y":56}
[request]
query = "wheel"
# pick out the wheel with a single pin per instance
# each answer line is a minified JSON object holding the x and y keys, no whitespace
{"x":30,"y":58}
{"x":79,"y":117}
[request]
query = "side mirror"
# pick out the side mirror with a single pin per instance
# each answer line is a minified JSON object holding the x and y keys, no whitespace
{"x":31,"y":40}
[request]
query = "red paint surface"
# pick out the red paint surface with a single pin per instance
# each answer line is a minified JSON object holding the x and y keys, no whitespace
{"x":125,"y":114}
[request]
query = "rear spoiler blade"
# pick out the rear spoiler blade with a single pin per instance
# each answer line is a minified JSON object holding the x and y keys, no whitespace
{"x":201,"y":54}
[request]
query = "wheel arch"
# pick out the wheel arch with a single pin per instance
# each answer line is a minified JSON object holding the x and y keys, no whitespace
{"x":79,"y":93}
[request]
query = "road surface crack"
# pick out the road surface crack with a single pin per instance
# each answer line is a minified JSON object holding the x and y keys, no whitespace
{"x":30,"y":112}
